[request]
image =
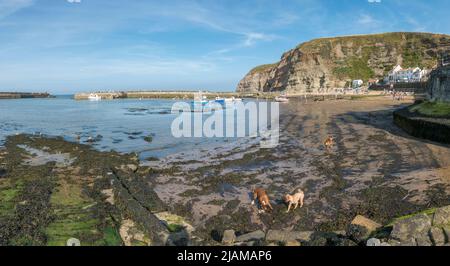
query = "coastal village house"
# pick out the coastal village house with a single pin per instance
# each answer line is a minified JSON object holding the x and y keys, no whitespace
{"x":398,"y":75}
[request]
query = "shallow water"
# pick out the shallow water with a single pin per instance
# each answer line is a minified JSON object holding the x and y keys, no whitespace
{"x":121,"y":125}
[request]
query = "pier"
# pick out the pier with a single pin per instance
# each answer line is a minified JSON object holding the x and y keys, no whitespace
{"x":159,"y":95}
{"x":23,"y":95}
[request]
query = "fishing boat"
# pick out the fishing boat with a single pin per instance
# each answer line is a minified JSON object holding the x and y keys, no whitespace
{"x":220,"y":100}
{"x":282,"y":99}
{"x":94,"y":97}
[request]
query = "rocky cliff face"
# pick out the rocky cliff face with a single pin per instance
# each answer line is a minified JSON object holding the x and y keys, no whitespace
{"x":323,"y":64}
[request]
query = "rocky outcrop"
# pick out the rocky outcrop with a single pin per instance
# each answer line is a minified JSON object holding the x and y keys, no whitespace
{"x":323,"y":64}
{"x":429,"y":228}
{"x":257,"y":78}
{"x":412,"y":229}
{"x":361,"y":228}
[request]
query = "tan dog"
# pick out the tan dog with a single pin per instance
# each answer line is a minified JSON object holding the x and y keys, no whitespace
{"x":263,"y":199}
{"x":329,"y":143}
{"x":295,"y":199}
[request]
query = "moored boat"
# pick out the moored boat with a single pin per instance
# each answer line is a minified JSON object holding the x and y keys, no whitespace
{"x":282,"y":99}
{"x":94,"y":97}
{"x":220,"y":100}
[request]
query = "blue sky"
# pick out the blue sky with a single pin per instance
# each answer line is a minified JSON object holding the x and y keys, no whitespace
{"x":64,"y":46}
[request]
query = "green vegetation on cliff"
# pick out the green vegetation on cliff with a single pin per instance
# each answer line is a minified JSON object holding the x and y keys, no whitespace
{"x":328,"y":63}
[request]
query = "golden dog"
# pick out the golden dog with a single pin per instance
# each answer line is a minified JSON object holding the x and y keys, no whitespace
{"x":329,"y":143}
{"x":295,"y":199}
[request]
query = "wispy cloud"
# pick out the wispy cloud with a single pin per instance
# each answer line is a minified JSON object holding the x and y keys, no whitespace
{"x":8,"y":7}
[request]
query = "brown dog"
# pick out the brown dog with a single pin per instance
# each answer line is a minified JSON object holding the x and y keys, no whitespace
{"x":329,"y":143}
{"x":263,"y":199}
{"x":295,"y":199}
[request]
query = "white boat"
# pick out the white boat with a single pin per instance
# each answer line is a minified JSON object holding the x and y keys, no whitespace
{"x":282,"y":99}
{"x":237,"y":100}
{"x":229,"y":100}
{"x":94,"y":97}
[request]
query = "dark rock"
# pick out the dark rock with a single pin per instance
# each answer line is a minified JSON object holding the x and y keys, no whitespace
{"x":2,"y":172}
{"x":179,"y":239}
{"x":257,"y":235}
{"x":357,"y":233}
{"x":318,"y":241}
{"x":447,"y":233}
{"x":442,"y":216}
{"x":136,"y":203}
{"x":343,"y":242}
{"x":148,"y":139}
{"x":408,"y":229}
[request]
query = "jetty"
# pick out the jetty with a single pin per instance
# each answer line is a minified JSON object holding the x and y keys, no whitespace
{"x":23,"y":95}
{"x":160,"y":95}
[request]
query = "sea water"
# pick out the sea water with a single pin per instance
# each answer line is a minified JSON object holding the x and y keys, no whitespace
{"x":124,"y":125}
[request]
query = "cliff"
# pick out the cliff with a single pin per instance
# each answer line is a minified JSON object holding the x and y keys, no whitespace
{"x":323,"y":64}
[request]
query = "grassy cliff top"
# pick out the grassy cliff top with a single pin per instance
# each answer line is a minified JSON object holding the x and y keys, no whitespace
{"x":381,"y":38}
{"x":415,"y":48}
{"x":263,"y":68}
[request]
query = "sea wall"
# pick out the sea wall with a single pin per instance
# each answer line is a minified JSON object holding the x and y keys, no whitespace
{"x":22,"y":95}
{"x":434,"y":129}
{"x":439,"y":84}
{"x":159,"y":95}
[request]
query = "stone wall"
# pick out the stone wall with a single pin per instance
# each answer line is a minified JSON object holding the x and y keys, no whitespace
{"x":439,"y":84}
{"x":422,"y":127}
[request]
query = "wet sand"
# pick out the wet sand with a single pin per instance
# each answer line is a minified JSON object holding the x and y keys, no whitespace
{"x":375,"y":170}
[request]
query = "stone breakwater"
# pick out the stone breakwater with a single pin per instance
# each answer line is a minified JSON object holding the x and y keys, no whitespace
{"x":159,"y":95}
{"x":22,"y":95}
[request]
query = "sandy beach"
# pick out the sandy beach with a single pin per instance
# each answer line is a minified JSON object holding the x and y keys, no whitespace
{"x":375,"y":169}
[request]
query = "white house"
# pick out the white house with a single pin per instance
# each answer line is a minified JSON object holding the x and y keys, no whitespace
{"x":398,"y":74}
